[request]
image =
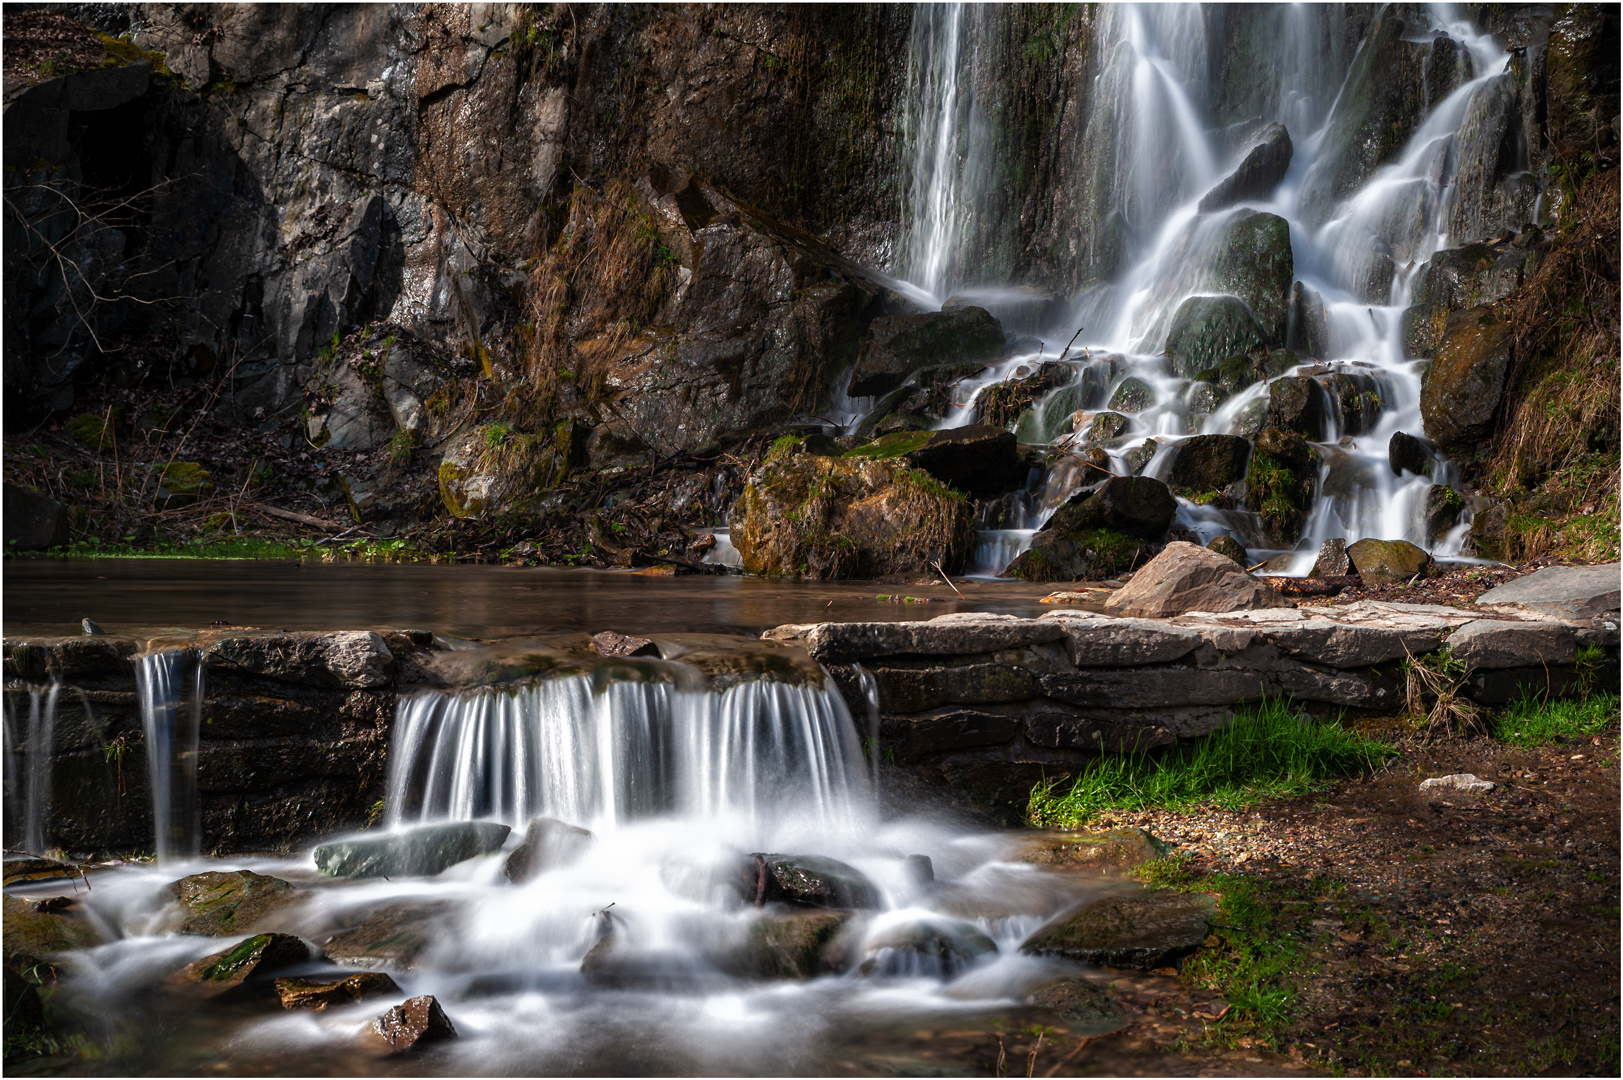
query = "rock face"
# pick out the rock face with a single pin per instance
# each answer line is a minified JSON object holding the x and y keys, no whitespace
{"x":418,"y":852}
{"x":1387,"y":562}
{"x":809,"y":881}
{"x":899,"y":345}
{"x":315,"y":995}
{"x":255,"y":958}
{"x":823,"y":517}
{"x":1259,"y":172}
{"x":1143,"y":930}
{"x":231,"y":902}
{"x":1564,"y":592}
{"x":33,"y":521}
{"x":1460,"y":392}
{"x":1186,"y":577}
{"x":415,"y":1022}
{"x":548,"y":844}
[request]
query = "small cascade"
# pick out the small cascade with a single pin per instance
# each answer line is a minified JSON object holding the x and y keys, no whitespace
{"x":30,"y":740}
{"x":608,"y":751}
{"x":170,"y":687}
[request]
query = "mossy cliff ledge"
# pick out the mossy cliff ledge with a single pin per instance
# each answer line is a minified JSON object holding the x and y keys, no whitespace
{"x":837,"y":517}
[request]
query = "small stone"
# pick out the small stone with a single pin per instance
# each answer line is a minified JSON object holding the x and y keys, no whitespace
{"x":309,"y":994}
{"x":412,"y":1023}
{"x":1466,"y":782}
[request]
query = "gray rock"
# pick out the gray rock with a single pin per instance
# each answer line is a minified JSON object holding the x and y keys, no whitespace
{"x":1258,"y":174}
{"x":419,"y":852}
{"x":1186,"y":577}
{"x":959,"y":634}
{"x":1467,"y":783}
{"x":33,"y":521}
{"x":1142,"y":930}
{"x":1565,"y":592}
{"x":1489,"y":644}
{"x":548,"y":844}
{"x":1098,"y":641}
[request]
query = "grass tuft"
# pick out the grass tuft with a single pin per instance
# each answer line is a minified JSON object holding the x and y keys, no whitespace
{"x":1268,"y":751}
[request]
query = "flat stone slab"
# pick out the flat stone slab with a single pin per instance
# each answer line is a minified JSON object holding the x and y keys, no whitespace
{"x":1486,"y":645}
{"x":960,"y":634}
{"x":1562,"y":592}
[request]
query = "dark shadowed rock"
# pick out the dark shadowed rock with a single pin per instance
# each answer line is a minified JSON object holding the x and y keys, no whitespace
{"x":548,"y":844}
{"x":417,"y":852}
{"x":1141,"y":930}
{"x":255,"y":958}
{"x":899,"y":345}
{"x":232,"y":902}
{"x":1460,"y":392}
{"x":1259,"y":172}
{"x":1186,"y":577}
{"x":1332,"y":560}
{"x":809,"y":880}
{"x":413,"y":1023}
{"x":317,"y":995}
{"x":1387,"y":562}
{"x":977,"y":459}
{"x":1207,"y":463}
{"x":1408,"y":454}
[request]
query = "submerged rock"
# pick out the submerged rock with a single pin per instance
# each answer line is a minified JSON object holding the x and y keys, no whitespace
{"x":418,"y":852}
{"x":548,"y":844}
{"x":1186,"y":577}
{"x":254,"y":958}
{"x":317,"y":995}
{"x":231,"y":902}
{"x":809,"y":880}
{"x":1140,"y":930}
{"x":1258,"y":174}
{"x":939,"y":948}
{"x":409,"y":1025}
{"x":1387,"y":562}
{"x":899,"y":345}
{"x":1086,"y":1008}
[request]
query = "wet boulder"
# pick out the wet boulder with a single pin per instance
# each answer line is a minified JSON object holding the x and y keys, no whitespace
{"x":1259,"y":172}
{"x":1332,"y":560}
{"x":808,"y":881}
{"x":231,"y":902}
{"x":1186,"y":577}
{"x":1387,"y":562}
{"x":1139,"y":930}
{"x":316,"y":995}
{"x":1208,"y":463}
{"x":1086,"y":1007}
{"x":1442,"y":511}
{"x":1280,"y":481}
{"x":1208,"y":329}
{"x":255,"y":959}
{"x":935,"y":948}
{"x":1405,"y":453}
{"x":787,"y":945}
{"x":1295,"y":403}
{"x":1460,"y":392}
{"x":1229,"y":548}
{"x":412,"y":1024}
{"x":33,"y":521}
{"x":417,"y":852}
{"x":548,"y":844}
{"x":899,"y":345}
{"x":977,"y":459}
{"x":867,"y":514}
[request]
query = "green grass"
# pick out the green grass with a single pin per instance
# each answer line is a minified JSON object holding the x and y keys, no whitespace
{"x":1268,"y":751}
{"x":1531,"y":722}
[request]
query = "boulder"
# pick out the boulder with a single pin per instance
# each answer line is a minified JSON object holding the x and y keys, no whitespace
{"x":1387,"y":562}
{"x":33,"y":521}
{"x":1463,"y":783}
{"x":1563,"y":592}
{"x":1086,"y":1008}
{"x":1186,"y":577}
{"x":1442,"y":511}
{"x":976,"y":459}
{"x":1460,"y":391}
{"x":254,"y":958}
{"x":1295,"y":404}
{"x":899,"y":345}
{"x":1118,"y":849}
{"x":1488,"y":644}
{"x":809,"y":881}
{"x":1259,"y":172}
{"x":1229,"y":548}
{"x":853,"y":516}
{"x":548,"y":844}
{"x":787,"y":945}
{"x":232,"y":902}
{"x":1132,"y":395}
{"x":1208,"y":463}
{"x":415,"y":1022}
{"x":393,"y":935}
{"x":1140,"y":930}
{"x":1406,"y":453}
{"x":939,"y":948}
{"x":1332,"y":560}
{"x":1279,"y":483}
{"x":317,"y":995}
{"x":417,"y":852}
{"x":1207,"y":329}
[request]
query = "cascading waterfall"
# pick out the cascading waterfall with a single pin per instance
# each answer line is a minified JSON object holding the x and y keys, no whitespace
{"x":609,"y":754}
{"x":30,"y":740}
{"x":1151,"y":155}
{"x":170,"y":687}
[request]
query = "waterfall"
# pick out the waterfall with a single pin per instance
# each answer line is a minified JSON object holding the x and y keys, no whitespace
{"x":609,"y":752}
{"x":1150,"y":150}
{"x":29,"y":743}
{"x":170,"y":687}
